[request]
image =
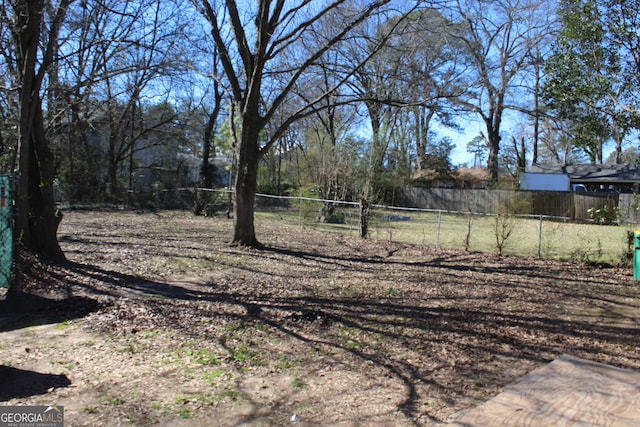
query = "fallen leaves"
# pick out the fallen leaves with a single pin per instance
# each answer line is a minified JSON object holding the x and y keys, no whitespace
{"x":407,"y":334}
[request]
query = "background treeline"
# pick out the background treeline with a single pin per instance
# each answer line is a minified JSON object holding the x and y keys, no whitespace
{"x":135,"y":97}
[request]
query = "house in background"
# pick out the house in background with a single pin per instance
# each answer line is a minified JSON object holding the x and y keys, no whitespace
{"x":475,"y":178}
{"x":189,"y":170}
{"x":595,"y":178}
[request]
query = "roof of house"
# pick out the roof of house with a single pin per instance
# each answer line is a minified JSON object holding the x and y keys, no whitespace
{"x":460,"y":174}
{"x":471,"y":174}
{"x":592,"y":173}
{"x":426,"y":174}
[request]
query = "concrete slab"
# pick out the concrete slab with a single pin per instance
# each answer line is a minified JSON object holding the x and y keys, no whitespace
{"x":567,"y":392}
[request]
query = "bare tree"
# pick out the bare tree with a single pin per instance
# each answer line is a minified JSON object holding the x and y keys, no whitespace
{"x":432,"y":74}
{"x":149,"y":57}
{"x":375,"y":85}
{"x":273,"y":29}
{"x":325,"y":131}
{"x":37,"y":221}
{"x":418,"y":70}
{"x":499,"y":37}
{"x":114,"y":55}
{"x":211,"y":103}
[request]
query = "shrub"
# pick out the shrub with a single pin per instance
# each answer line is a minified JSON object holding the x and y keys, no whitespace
{"x":606,"y":215}
{"x":335,"y":218}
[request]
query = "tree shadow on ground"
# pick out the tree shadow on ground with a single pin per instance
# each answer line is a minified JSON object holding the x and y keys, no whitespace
{"x":23,"y":309}
{"x":471,"y":334}
{"x":19,"y":383}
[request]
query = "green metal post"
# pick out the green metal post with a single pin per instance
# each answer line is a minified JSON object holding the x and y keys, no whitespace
{"x":6,"y":231}
{"x":636,"y":254}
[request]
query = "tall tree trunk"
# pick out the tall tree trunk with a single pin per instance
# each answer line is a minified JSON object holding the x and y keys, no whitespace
{"x":37,"y":221}
{"x":205,"y":167}
{"x":112,"y":172}
{"x":536,"y":107}
{"x":207,"y":143}
{"x":493,"y":143}
{"x":246,"y":182}
{"x":43,"y":219}
{"x":421,"y":139}
{"x":618,"y":134}
{"x":492,"y":122}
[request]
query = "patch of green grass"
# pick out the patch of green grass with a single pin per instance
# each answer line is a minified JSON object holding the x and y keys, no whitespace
{"x":287,"y":362}
{"x":208,"y":398}
{"x":228,"y":394}
{"x":349,"y":336}
{"x":559,"y":240}
{"x":186,"y":356}
{"x":216,"y":374}
{"x":130,"y":347}
{"x":182,"y":400}
{"x":133,"y":419}
{"x":183,"y":264}
{"x":354,"y":345}
{"x":112,"y":400}
{"x":235,"y":328}
{"x":184,"y":413}
{"x":68,"y":365}
{"x":243,"y":355}
{"x":298,"y":383}
{"x":262,"y":328}
{"x":152,"y":333}
{"x":62,"y":325}
{"x":479,"y":394}
{"x":511,"y":305}
{"x":29,"y":331}
{"x":392,"y":292}
{"x":205,"y":357}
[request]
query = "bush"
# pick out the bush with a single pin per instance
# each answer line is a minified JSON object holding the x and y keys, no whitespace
{"x":335,"y":218}
{"x":606,"y":215}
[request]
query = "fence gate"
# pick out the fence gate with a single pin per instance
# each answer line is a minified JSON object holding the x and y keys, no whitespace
{"x":6,"y":231}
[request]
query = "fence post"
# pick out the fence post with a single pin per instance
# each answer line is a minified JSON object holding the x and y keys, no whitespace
{"x":439,"y":225}
{"x":467,"y":238}
{"x":6,"y":229}
{"x":364,"y":218}
{"x":540,"y":238}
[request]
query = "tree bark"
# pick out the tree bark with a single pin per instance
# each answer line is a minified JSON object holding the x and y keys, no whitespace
{"x":244,"y":75}
{"x":205,"y":167}
{"x":493,"y":142}
{"x":246,"y":183}
{"x":37,"y":221}
{"x":43,"y":219}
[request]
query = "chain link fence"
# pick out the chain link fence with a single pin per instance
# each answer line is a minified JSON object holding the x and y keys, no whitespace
{"x":6,"y":229}
{"x":537,"y":236}
{"x":540,"y":236}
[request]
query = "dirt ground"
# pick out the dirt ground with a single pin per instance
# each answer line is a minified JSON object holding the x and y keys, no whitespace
{"x":156,"y":320}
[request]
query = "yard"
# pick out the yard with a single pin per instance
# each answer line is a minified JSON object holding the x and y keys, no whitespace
{"x":528,"y":236}
{"x":157,"y":321}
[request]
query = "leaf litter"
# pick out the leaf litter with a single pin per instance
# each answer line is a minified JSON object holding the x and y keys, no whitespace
{"x":156,"y":320}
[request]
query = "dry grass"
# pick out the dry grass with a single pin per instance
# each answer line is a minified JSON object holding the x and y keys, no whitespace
{"x":321,"y":328}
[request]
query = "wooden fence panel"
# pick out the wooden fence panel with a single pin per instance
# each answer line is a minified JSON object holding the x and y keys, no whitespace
{"x":583,"y":202}
{"x":552,"y":203}
{"x":548,"y":203}
{"x":629,"y":208}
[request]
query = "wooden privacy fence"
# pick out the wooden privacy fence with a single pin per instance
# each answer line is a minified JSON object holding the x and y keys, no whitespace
{"x":549,"y":203}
